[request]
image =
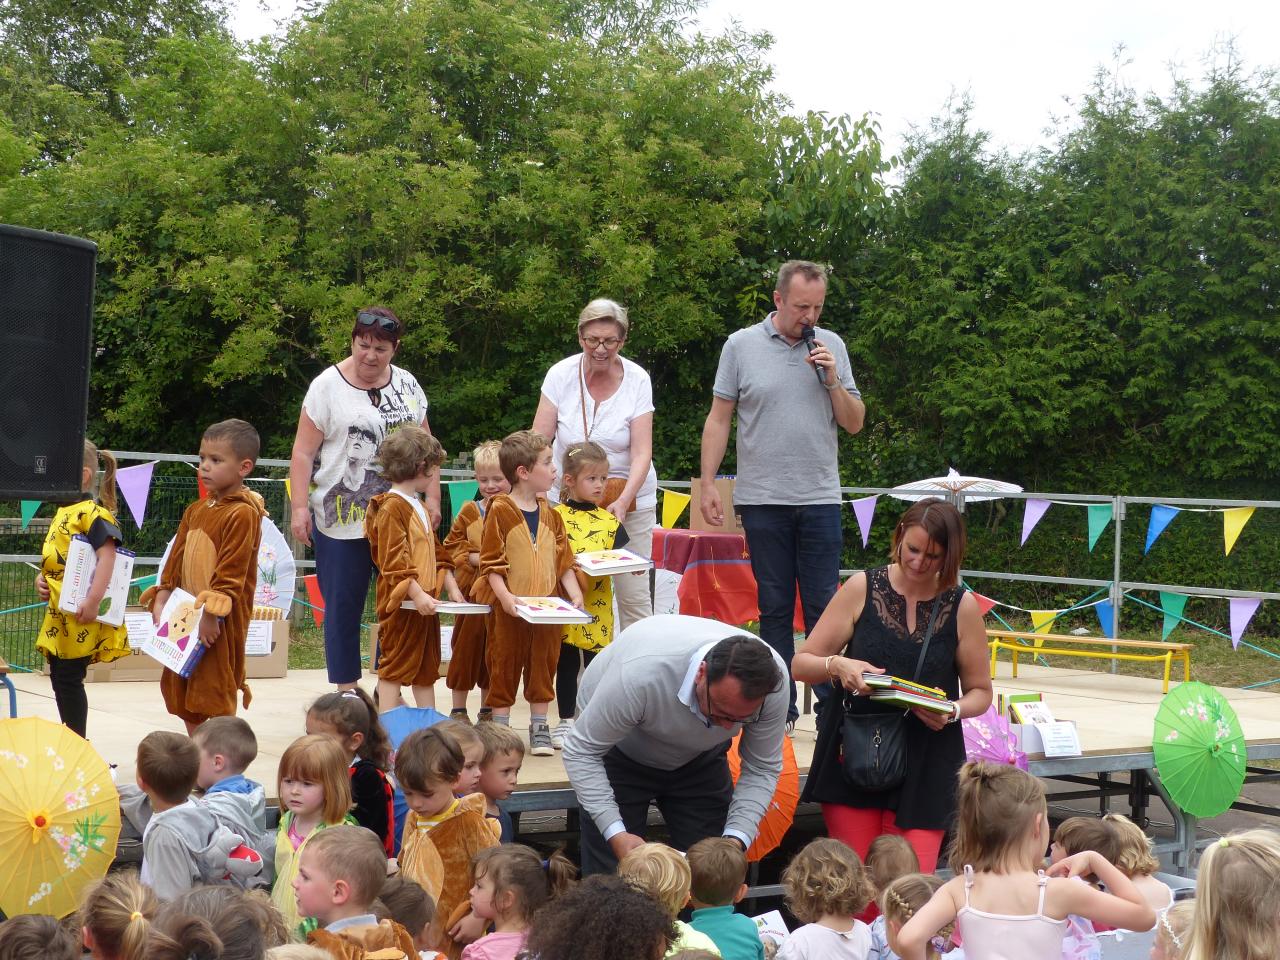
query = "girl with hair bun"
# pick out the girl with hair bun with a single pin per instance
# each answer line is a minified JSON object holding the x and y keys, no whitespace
{"x":117,"y":918}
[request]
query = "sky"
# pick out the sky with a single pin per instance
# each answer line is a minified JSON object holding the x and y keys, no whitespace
{"x":1019,"y":63}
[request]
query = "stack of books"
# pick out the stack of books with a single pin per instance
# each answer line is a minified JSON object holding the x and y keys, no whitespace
{"x":886,"y":688}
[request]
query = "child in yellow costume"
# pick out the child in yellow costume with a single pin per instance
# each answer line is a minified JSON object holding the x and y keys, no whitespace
{"x":412,"y":567}
{"x":441,"y":832}
{"x":584,"y":473}
{"x":215,"y":559}
{"x":70,"y":642}
{"x":524,"y":552}
{"x":467,"y":667}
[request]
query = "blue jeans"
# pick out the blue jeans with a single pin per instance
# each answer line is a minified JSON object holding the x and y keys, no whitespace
{"x":343,"y":570}
{"x":793,"y":546}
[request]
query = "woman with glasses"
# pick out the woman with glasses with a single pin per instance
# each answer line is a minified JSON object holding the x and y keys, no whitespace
{"x":601,"y":396}
{"x":347,"y":412}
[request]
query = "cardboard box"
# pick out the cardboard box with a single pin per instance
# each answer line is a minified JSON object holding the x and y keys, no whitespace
{"x":138,"y":666}
{"x":275,"y":663}
{"x":732,"y":523}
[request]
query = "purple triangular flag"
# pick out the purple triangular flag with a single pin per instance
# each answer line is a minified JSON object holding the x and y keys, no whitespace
{"x":864,"y":510}
{"x":1161,"y":516}
{"x":1035,"y":510}
{"x":1242,"y":611}
{"x":135,"y":487}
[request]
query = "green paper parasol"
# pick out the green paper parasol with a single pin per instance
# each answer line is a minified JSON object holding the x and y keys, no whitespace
{"x":1199,"y":749}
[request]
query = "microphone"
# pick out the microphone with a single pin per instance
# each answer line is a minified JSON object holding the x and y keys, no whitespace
{"x":806,"y":334}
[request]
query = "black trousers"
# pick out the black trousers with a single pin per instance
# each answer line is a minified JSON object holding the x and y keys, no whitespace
{"x":573,"y":660}
{"x":693,"y":800}
{"x":67,"y":680}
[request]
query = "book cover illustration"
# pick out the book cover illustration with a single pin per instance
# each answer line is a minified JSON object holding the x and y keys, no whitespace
{"x":77,"y":577}
{"x":549,"y":610}
{"x":175,"y":642}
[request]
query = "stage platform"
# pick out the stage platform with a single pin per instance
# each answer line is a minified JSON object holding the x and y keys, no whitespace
{"x":1113,"y":712}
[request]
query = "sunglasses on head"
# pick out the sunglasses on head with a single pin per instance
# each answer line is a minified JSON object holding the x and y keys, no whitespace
{"x":377,"y":320}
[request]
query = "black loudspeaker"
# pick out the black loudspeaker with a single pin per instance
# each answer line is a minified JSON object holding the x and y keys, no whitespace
{"x":46,"y":335}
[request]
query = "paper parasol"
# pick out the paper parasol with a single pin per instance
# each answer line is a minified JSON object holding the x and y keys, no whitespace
{"x":781,"y":811}
{"x":1199,"y":749}
{"x":277,"y":570}
{"x":954,"y":483}
{"x":988,"y":738}
{"x":59,"y":817}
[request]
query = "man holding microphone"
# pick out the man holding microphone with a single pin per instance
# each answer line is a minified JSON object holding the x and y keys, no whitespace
{"x":793,"y":388}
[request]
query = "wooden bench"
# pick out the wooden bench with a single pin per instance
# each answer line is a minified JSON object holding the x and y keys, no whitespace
{"x":8,"y":684}
{"x":1019,"y":642}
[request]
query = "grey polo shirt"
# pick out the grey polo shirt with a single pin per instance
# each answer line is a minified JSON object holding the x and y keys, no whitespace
{"x":787,"y":430}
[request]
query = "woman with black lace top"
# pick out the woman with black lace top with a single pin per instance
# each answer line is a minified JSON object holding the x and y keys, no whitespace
{"x":877,"y":623}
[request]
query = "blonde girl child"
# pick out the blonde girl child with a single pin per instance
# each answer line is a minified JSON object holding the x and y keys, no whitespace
{"x":412,"y":567}
{"x":1172,"y":931}
{"x":70,"y":642}
{"x":889,"y":857}
{"x":824,"y":885}
{"x":117,"y":918}
{"x":1237,"y":915}
{"x":511,"y":883}
{"x":1000,"y":901}
{"x":1134,"y":857}
{"x":350,"y":717}
{"x":315,"y":792}
{"x":585,"y":471}
{"x":899,"y":901}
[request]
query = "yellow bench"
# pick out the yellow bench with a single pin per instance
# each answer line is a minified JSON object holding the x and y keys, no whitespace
{"x":1019,"y":642}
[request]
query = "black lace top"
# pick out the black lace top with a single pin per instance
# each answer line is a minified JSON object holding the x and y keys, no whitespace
{"x":926,"y":800}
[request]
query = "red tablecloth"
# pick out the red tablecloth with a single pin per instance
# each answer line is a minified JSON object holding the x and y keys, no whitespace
{"x":717,"y":581}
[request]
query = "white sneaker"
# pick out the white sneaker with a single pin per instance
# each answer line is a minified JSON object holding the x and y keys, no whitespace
{"x":560,"y":732}
{"x":540,"y":740}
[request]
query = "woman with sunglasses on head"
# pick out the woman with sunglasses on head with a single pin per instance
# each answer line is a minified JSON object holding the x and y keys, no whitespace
{"x":348,"y":410}
{"x":600,"y":396}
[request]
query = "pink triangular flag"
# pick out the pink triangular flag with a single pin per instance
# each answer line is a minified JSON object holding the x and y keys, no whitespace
{"x":1242,"y":611}
{"x":984,"y":603}
{"x":135,"y":487}
{"x":865,"y":510}
{"x":1035,"y":510}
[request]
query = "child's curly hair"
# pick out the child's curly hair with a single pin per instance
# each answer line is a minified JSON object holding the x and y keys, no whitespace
{"x":602,"y":918}
{"x":1133,"y":848}
{"x":826,"y":877}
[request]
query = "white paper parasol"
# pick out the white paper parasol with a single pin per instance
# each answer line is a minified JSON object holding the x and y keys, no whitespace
{"x":277,"y":570}
{"x":953,"y":482}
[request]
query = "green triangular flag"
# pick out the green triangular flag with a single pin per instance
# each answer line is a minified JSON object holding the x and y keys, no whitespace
{"x":1099,"y":517}
{"x":1172,"y":604}
{"x":460,"y":491}
{"x":29,"y":508}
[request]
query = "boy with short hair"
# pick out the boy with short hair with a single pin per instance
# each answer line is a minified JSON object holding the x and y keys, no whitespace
{"x":662,"y":873}
{"x":215,"y":558}
{"x":499,"y":773}
{"x":466,"y":667}
{"x":341,"y":872}
{"x":227,"y":746}
{"x":525,"y":552}
{"x":183,"y":843}
{"x":718,"y":874}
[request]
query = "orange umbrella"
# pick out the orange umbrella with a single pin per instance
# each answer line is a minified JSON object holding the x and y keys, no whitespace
{"x":782,"y":805}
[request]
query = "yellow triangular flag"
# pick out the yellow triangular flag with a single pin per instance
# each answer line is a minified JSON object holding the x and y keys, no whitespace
{"x":1042,"y":622}
{"x":1233,"y":521}
{"x":288,"y":489}
{"x":673,"y":505}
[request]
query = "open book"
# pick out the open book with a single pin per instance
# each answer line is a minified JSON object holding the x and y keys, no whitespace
{"x":610,"y":563}
{"x":549,"y":610}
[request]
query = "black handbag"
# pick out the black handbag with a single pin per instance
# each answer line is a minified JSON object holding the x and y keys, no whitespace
{"x":873,"y":750}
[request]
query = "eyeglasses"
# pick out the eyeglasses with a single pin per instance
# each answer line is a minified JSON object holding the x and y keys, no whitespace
{"x":610,"y":342}
{"x":377,"y":320}
{"x":711,"y":718}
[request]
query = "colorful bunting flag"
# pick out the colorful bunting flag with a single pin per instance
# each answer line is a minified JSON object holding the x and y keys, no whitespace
{"x":288,"y":490}
{"x":1042,"y":622}
{"x":1242,"y":611}
{"x":984,"y":603}
{"x":1233,"y":521}
{"x":1099,"y":517}
{"x":200,"y":488}
{"x":1172,"y":604}
{"x":1106,"y":612}
{"x":315,"y":599}
{"x":1161,"y":517}
{"x":29,"y":508}
{"x":1034,"y":511}
{"x":135,"y":487}
{"x":673,"y":506}
{"x":460,"y":491}
{"x":865,"y":511}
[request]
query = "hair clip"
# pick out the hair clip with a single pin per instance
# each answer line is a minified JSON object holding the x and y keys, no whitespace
{"x":136,"y":916}
{"x":1224,"y":842}
{"x":546,"y":864}
{"x":350,"y":695}
{"x":1173,"y":937}
{"x":940,"y":944}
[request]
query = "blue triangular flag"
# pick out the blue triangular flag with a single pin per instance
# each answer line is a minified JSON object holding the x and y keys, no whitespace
{"x":1106,"y":618}
{"x":1161,"y":516}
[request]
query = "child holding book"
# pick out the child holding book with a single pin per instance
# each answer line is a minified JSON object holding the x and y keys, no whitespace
{"x":412,"y":567}
{"x":466,"y":667}
{"x":70,"y":642}
{"x":590,"y":526}
{"x":215,"y":558}
{"x":524,"y":552}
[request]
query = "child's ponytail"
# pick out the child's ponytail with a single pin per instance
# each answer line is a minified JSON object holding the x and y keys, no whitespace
{"x":107,"y":484}
{"x":519,"y":870}
{"x":118,"y":912}
{"x":996,"y":806}
{"x":561,"y":873}
{"x":353,"y":711}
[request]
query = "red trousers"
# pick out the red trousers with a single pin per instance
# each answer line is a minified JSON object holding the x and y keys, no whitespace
{"x":858,"y":827}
